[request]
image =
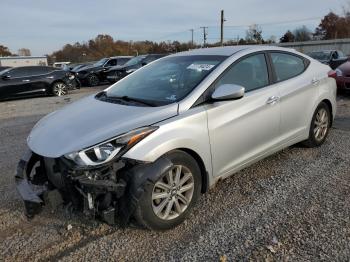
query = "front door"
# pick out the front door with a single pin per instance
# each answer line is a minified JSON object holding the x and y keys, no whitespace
{"x":244,"y":129}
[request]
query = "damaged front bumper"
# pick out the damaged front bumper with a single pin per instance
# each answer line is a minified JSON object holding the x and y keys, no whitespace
{"x":109,"y":192}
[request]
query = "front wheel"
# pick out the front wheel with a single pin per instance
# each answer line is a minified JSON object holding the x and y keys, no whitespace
{"x":169,"y":201}
{"x":59,"y":89}
{"x":93,"y":80}
{"x":319,"y":127}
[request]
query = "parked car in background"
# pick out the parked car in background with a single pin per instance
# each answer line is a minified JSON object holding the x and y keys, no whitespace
{"x":34,"y":80}
{"x":118,"y":72}
{"x":76,"y":67}
{"x":343,"y":76}
{"x":61,"y":64}
{"x":149,"y":145}
{"x":92,"y":75}
{"x":333,"y":58}
{"x":2,"y":68}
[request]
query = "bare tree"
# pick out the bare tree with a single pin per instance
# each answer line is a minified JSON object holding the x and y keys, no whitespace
{"x":4,"y":51}
{"x":254,"y":34}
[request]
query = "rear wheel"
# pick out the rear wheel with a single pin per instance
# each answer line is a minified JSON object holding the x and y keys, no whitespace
{"x":319,"y":127}
{"x":93,"y":80}
{"x":167,"y":203}
{"x":59,"y":89}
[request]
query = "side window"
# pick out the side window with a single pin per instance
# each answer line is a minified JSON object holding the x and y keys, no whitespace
{"x":149,"y":59}
{"x":122,"y":61}
{"x":250,"y":73}
{"x":19,"y":72}
{"x":287,"y":66}
{"x":37,"y":70}
{"x":44,"y":70}
{"x":112,"y":62}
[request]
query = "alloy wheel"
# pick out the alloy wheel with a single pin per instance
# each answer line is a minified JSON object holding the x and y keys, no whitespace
{"x":93,"y":80}
{"x":59,"y":89}
{"x":321,"y":124}
{"x":173,"y":193}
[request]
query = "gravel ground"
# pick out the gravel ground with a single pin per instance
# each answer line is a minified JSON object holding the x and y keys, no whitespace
{"x":294,"y":205}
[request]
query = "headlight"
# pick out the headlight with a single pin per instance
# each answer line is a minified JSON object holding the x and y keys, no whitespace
{"x":339,"y":72}
{"x":106,"y":151}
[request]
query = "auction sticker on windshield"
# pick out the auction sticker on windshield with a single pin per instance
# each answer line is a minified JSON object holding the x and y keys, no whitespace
{"x":200,"y":67}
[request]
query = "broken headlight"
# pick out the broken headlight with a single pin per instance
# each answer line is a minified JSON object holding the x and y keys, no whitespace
{"x":106,"y":151}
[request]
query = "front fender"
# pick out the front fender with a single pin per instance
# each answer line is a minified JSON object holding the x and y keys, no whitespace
{"x":186,"y":131}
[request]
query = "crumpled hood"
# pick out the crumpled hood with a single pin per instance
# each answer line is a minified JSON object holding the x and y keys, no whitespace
{"x":88,"y":122}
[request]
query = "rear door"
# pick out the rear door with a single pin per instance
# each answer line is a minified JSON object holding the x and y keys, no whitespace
{"x":242,"y":130}
{"x":297,"y":85}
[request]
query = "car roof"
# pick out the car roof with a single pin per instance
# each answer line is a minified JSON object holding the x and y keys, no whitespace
{"x":324,"y":51}
{"x":122,"y":56}
{"x":230,"y":50}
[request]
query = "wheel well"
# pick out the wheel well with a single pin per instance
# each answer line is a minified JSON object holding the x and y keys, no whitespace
{"x":204,"y":173}
{"x":329,"y":104}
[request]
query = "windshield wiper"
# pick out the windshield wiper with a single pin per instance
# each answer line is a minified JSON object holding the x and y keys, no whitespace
{"x":103,"y":95}
{"x":137,"y":100}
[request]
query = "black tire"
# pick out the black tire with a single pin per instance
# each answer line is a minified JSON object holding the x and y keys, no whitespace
{"x":93,"y":80}
{"x":313,"y":141}
{"x":144,"y":213}
{"x":59,"y":89}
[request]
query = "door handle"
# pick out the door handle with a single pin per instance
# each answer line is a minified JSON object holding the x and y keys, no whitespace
{"x":315,"y":81}
{"x":25,"y":80}
{"x":272,"y":100}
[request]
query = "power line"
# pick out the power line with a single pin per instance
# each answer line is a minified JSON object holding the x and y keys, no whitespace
{"x":275,"y":23}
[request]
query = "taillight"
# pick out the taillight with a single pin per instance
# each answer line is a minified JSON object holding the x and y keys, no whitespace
{"x":332,"y":74}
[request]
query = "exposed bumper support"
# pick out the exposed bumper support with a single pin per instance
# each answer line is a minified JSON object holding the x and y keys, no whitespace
{"x":42,"y":181}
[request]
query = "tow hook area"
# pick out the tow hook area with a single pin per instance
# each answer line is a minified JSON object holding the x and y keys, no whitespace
{"x":109,"y":192}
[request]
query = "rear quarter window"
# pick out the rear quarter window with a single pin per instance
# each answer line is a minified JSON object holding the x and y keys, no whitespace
{"x":287,"y":66}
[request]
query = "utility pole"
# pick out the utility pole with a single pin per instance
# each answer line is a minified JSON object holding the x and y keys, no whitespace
{"x":192,"y":37}
{"x":222,"y":20}
{"x":204,"y":35}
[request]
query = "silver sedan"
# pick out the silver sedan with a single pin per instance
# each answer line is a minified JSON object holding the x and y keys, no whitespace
{"x":149,"y":145}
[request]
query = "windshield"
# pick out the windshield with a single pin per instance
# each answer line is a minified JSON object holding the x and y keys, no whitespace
{"x":320,"y":55}
{"x":135,"y":60}
{"x":101,"y":62}
{"x":167,"y":80}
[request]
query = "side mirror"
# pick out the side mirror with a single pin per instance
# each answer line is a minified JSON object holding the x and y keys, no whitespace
{"x":228,"y":92}
{"x":6,"y":77}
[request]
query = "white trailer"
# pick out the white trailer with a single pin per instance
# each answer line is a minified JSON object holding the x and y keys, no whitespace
{"x":15,"y":61}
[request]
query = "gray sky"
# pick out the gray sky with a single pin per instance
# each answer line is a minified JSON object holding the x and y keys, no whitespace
{"x":46,"y":25}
